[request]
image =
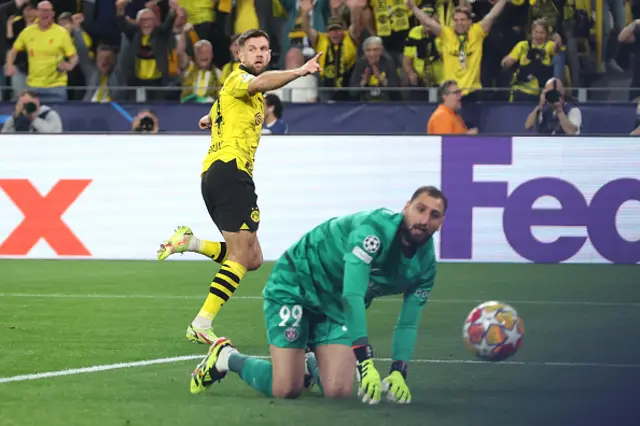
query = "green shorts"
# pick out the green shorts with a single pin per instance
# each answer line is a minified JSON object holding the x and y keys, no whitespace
{"x":290,"y":322}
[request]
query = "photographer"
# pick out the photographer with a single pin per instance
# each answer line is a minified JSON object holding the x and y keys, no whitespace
{"x":553,"y":116}
{"x":145,"y":122}
{"x":30,"y":116}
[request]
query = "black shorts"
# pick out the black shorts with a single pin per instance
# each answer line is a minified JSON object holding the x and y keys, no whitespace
{"x":230,"y":197}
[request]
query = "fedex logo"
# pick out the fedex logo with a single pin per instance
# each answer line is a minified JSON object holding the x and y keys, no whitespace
{"x":43,"y":217}
{"x":459,"y":155}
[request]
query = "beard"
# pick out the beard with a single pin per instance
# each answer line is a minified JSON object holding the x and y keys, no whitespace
{"x":255,"y":71}
{"x":412,"y":239}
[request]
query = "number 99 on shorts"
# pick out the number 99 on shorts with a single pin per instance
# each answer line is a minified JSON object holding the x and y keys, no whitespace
{"x":290,"y":316}
{"x":286,"y":325}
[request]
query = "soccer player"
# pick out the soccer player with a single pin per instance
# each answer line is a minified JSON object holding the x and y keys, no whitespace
{"x":317,"y":294}
{"x":235,"y":121}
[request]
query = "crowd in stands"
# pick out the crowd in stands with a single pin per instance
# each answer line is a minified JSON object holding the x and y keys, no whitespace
{"x":182,"y":50}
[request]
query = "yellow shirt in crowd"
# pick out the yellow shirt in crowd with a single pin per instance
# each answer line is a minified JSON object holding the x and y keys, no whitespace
{"x":46,"y":49}
{"x":462,"y":55}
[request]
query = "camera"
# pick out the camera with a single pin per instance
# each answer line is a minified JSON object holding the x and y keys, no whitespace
{"x":147,"y":124}
{"x":30,"y":107}
{"x":552,"y":97}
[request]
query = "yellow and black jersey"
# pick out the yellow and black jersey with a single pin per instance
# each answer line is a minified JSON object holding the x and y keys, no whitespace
{"x":426,"y":52}
{"x":236,"y":119}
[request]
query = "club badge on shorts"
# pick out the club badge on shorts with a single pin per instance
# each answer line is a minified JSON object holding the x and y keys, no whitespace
{"x":255,"y":215}
{"x":291,"y":334}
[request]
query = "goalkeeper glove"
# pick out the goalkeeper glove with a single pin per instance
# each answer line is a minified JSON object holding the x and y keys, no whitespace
{"x":368,"y":377}
{"x":395,"y":385}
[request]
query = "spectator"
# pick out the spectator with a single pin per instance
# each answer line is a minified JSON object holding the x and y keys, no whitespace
{"x":534,"y":62}
{"x":568,"y":21}
{"x":610,"y":44}
{"x":76,"y":80}
{"x":375,"y":71}
{"x":294,"y":33}
{"x":245,"y":15}
{"x":102,"y":75}
{"x":553,"y":116}
{"x":201,"y":79}
{"x":101,"y":22}
{"x":231,"y":66}
{"x":17,"y":15}
{"x":508,"y":29}
{"x":51,"y":56}
{"x":185,"y":35}
{"x":446,"y":119}
{"x":392,"y":22}
{"x":631,"y":35}
{"x":303,"y":89}
{"x":273,"y":123}
{"x":145,"y":62}
{"x":181,"y":51}
{"x":466,"y":40}
{"x":30,"y":116}
{"x":338,"y":45}
{"x":423,"y":58}
{"x":201,"y":15}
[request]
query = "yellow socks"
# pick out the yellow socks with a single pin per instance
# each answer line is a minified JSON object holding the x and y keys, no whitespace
{"x":223,"y":286}
{"x":213,"y":249}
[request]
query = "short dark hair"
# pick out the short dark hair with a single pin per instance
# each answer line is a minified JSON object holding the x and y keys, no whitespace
{"x":431,"y":191}
{"x":29,"y":93}
{"x":276,"y":103}
{"x":107,"y":48}
{"x":444,"y":88}
{"x":249,"y":34}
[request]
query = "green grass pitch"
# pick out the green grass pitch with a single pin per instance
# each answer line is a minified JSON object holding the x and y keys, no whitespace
{"x":579,"y":363}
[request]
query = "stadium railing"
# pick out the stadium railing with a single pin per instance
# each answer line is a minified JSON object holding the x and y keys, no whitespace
{"x":428,"y":94}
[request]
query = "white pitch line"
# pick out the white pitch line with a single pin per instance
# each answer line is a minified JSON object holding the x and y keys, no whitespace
{"x":98,"y":368}
{"x":388,"y":299}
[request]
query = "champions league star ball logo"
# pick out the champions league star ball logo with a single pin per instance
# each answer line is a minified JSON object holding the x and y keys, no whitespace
{"x":291,"y":334}
{"x":371,"y":244}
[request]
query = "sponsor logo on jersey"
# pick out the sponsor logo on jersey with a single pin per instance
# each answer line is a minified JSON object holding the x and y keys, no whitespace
{"x":422,"y":294}
{"x":246,"y":77}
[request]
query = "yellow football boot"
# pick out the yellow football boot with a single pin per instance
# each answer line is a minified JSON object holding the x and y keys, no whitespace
{"x":206,"y":373}
{"x":201,"y":335}
{"x":178,"y":243}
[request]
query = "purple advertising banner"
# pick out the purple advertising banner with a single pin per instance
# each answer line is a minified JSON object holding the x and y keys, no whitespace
{"x":588,"y":209}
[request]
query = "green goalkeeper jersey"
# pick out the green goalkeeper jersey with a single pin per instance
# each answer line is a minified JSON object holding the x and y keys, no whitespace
{"x":348,"y":261}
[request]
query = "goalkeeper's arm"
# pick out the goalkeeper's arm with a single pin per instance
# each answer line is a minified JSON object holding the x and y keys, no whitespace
{"x":356,"y":281}
{"x":404,"y":340}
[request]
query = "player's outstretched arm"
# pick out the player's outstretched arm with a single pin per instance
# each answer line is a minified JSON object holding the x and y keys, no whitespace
{"x":405,"y":335}
{"x":357,"y":272}
{"x":271,"y":80}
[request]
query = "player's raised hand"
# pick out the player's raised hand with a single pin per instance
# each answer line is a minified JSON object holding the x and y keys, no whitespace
{"x":205,"y":122}
{"x":312,"y":66}
{"x":306,"y":5}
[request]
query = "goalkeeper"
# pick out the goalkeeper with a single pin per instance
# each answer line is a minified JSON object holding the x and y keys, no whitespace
{"x":317,"y":294}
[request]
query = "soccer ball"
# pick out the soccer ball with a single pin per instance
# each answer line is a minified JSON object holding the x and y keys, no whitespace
{"x":493,"y":331}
